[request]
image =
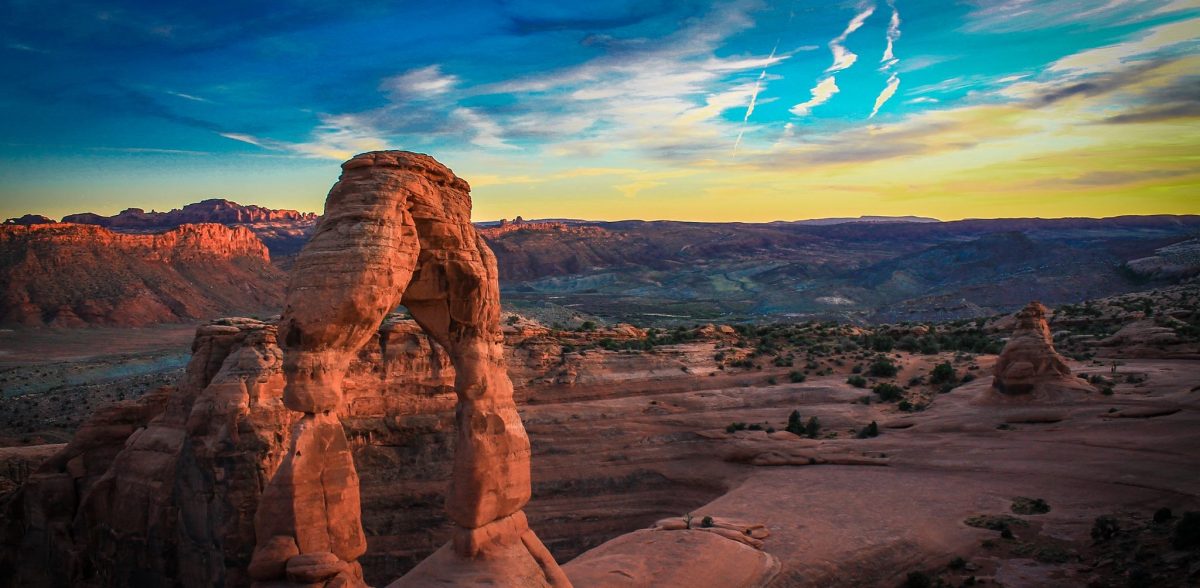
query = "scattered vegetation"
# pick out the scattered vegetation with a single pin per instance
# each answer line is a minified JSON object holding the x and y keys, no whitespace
{"x":1030,"y":506}
{"x":883,"y":368}
{"x":995,"y":522}
{"x":871,"y":430}
{"x":888,"y":392}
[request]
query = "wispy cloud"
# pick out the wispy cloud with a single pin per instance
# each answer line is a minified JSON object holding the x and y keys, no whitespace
{"x":191,"y":97}
{"x":485,"y":132}
{"x":150,"y":150}
{"x":889,"y":61}
{"x":425,"y":82}
{"x":1005,"y":16}
{"x":632,"y":189}
{"x":821,"y":93}
{"x":753,"y":100}
{"x":843,"y":58}
{"x":1170,"y":38}
{"x":887,"y":93}
{"x":252,"y":140}
{"x":893,"y":34}
{"x":23,"y":47}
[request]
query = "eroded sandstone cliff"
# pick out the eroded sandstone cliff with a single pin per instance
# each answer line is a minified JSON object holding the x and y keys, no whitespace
{"x":68,"y":275}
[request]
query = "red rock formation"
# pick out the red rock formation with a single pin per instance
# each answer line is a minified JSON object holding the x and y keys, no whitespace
{"x":397,"y":230}
{"x":1029,"y":366}
{"x":73,"y":275}
{"x":163,"y":491}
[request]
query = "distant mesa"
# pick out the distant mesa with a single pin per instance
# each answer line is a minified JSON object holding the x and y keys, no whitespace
{"x":29,"y":220}
{"x":215,"y":210}
{"x":520,"y":225}
{"x":818,"y":222}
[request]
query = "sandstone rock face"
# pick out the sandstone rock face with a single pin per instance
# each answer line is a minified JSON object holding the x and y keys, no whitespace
{"x":163,"y":491}
{"x":67,"y":275}
{"x":1029,"y":366}
{"x":397,"y":230}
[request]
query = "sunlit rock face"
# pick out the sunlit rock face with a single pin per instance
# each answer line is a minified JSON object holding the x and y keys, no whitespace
{"x":162,"y":490}
{"x":71,"y":275}
{"x":1029,"y":367}
{"x":397,"y":230}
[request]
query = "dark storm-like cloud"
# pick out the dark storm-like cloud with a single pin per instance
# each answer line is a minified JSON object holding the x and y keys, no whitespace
{"x":1097,"y":85}
{"x":1178,"y":100}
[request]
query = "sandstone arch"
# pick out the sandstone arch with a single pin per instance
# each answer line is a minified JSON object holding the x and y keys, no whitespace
{"x":397,"y":229}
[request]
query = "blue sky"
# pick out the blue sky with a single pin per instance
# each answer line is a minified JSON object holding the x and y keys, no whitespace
{"x":742,"y":110}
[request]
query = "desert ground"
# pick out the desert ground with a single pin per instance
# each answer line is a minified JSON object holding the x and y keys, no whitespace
{"x":623,"y":438}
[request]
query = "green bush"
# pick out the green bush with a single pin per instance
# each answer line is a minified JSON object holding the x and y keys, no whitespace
{"x":943,"y":373}
{"x":797,"y":376}
{"x":994,"y":522}
{"x":888,"y":392}
{"x":857,"y":381}
{"x":735,"y":426}
{"x":812,"y":428}
{"x":795,"y":424}
{"x":883,"y":368}
{"x":1029,"y":506}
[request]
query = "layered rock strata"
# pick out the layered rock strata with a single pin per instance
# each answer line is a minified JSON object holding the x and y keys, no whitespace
{"x":70,"y":275}
{"x":397,"y":230}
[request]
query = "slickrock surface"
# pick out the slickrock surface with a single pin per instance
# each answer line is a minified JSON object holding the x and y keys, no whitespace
{"x":684,"y":558}
{"x":69,"y":275}
{"x":396,"y":230}
{"x":1029,"y":367}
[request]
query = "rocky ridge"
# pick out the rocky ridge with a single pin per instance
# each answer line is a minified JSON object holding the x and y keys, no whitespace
{"x":68,"y":275}
{"x":215,"y":210}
